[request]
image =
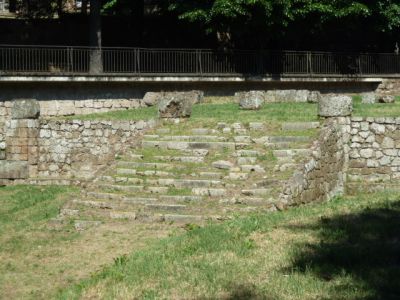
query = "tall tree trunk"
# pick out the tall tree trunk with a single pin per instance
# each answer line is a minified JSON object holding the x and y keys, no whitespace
{"x":60,"y":8}
{"x":12,"y":6}
{"x":137,"y":16}
{"x":84,"y":7}
{"x":96,"y":62}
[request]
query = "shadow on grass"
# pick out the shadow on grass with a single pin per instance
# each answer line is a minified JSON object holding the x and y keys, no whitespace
{"x":360,"y":251}
{"x":240,"y":291}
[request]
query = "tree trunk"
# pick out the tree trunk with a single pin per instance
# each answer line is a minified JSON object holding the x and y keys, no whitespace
{"x":137,"y":16}
{"x":12,"y":6}
{"x":96,"y":62}
{"x":60,"y":8}
{"x":84,"y":7}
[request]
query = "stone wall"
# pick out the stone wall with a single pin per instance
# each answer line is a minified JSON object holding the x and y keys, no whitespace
{"x":51,"y":108}
{"x":389,"y":87}
{"x":323,"y":176}
{"x":374,"y":150}
{"x":71,"y":149}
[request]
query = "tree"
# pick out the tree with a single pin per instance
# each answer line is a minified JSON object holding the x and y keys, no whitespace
{"x":96,"y":61}
{"x":274,"y":17}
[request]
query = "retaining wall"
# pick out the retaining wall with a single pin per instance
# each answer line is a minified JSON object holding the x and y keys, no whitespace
{"x":374,"y":150}
{"x":323,"y":176}
{"x":67,"y":149}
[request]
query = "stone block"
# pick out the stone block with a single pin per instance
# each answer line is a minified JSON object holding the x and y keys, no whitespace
{"x":175,"y":105}
{"x":335,"y":106}
{"x":25,"y":109}
{"x":386,"y":99}
{"x":13,"y":169}
{"x":251,"y":100}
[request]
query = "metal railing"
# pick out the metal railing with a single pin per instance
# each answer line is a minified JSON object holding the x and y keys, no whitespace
{"x":53,"y":60}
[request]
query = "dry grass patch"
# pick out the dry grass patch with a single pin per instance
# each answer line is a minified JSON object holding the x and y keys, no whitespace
{"x":37,"y":261}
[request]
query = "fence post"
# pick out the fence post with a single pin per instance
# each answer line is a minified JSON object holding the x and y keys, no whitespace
{"x":70,"y":60}
{"x":309,"y":63}
{"x":199,"y":70}
{"x":359,"y":65}
{"x":137,"y":61}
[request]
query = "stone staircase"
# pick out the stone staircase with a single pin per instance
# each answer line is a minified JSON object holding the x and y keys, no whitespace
{"x":187,"y":174}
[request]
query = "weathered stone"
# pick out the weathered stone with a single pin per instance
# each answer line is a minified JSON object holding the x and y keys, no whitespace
{"x":222,"y":164}
{"x":387,"y":143}
{"x":335,"y":106}
{"x":152,"y":98}
{"x":175,"y":105}
{"x":251,"y":100}
{"x":13,"y":169}
{"x":288,"y":96}
{"x":314,"y":97}
{"x":368,"y":98}
{"x":25,"y":109}
{"x":386,"y":99}
{"x":378,"y":128}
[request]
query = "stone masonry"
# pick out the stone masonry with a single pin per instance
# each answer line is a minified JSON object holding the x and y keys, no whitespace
{"x":323,"y":176}
{"x":374,"y":150}
{"x":80,"y":148}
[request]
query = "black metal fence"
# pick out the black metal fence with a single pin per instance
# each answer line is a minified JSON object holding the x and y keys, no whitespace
{"x":53,"y":60}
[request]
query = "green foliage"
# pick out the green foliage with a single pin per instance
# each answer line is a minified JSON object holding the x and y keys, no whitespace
{"x":224,"y":14}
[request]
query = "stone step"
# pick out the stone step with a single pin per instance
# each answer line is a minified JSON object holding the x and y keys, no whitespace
{"x":182,"y":219}
{"x":104,"y":196}
{"x":251,"y":201}
{"x":246,"y":160}
{"x":184,"y":159}
{"x":252,"y":168}
{"x":180,"y":198}
{"x":204,"y":131}
{"x":209,"y":192}
{"x":291,"y":152}
{"x":133,"y":172}
{"x":131,"y":155}
{"x":147,"y":165}
{"x":286,"y":166}
{"x":185,"y":183}
{"x":246,"y":153}
{"x":289,"y":139}
{"x":95,"y":204}
{"x":165,"y":207}
{"x":256,"y":192}
{"x":138,"y":200}
{"x":123,"y":215}
{"x":237,"y":176}
{"x":242,"y":139}
{"x":212,"y":175}
{"x":187,"y":138}
{"x":284,"y":145}
{"x":193,"y":145}
{"x":121,"y":188}
{"x":300,"y":126}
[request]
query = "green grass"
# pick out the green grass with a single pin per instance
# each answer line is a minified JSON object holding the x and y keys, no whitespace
{"x":221,"y":112}
{"x":377,"y":109}
{"x":24,"y":213}
{"x":343,"y":249}
{"x":145,"y":113}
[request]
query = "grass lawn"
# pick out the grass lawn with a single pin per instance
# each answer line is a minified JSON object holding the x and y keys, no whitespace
{"x":221,"y":112}
{"x":376,"y":110}
{"x":226,"y":111}
{"x":36,"y":260}
{"x":347,"y":248}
